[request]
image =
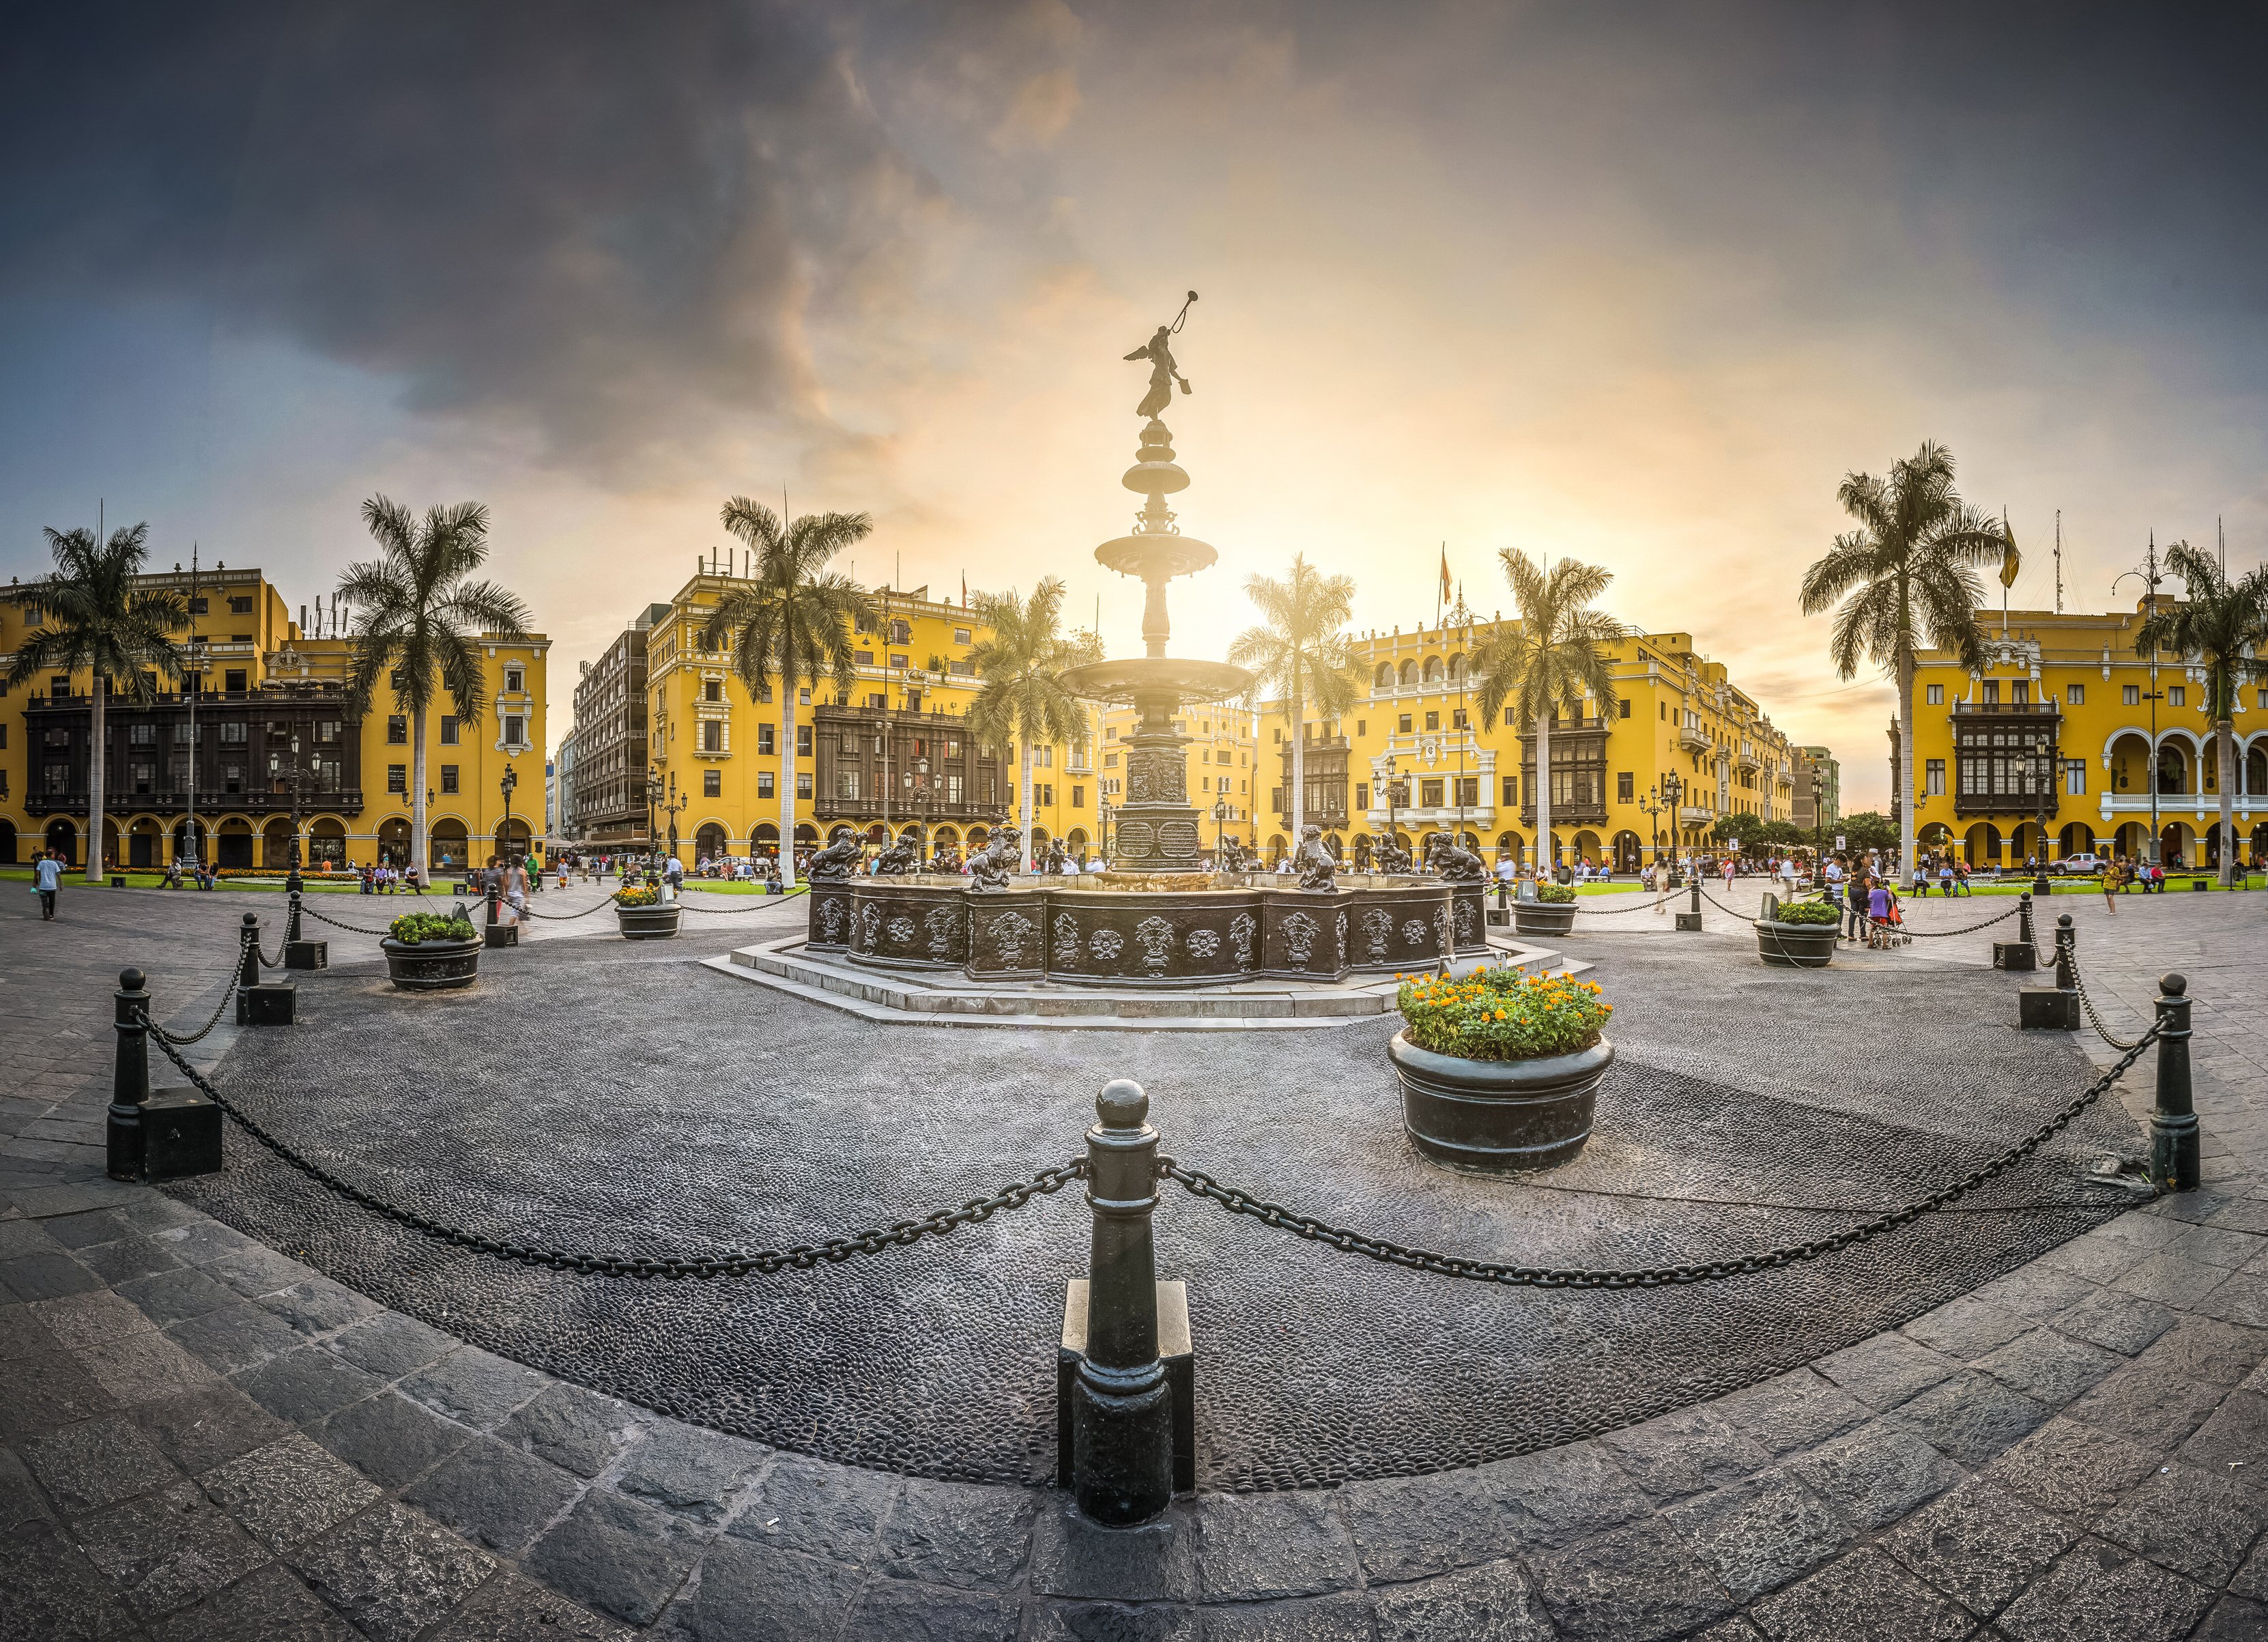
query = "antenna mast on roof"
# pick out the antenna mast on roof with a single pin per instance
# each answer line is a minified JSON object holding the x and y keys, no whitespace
{"x":2058,"y":559}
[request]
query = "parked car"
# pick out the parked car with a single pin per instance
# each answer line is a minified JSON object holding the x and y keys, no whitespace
{"x":2080,"y":865}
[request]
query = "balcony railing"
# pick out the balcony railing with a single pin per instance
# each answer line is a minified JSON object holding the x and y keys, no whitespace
{"x":118,"y":801}
{"x":2025,"y":805}
{"x":2035,"y":710}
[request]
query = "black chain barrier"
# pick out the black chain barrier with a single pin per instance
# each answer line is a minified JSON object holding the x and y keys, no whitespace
{"x":308,"y":911}
{"x":2078,"y":981}
{"x":566,"y":918}
{"x":235,"y":977}
{"x":1607,"y":912}
{"x":1235,"y":1201}
{"x":732,"y":1263}
{"x":1966,"y":928}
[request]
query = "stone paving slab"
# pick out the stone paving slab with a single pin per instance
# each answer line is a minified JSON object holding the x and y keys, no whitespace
{"x":1815,"y":1504}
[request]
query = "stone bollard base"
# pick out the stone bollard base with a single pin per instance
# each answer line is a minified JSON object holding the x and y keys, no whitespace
{"x":2047,"y":1008}
{"x":272,"y":1005}
{"x":306,"y":955}
{"x":2015,"y":954}
{"x":503,"y":935}
{"x":1173,"y":1349}
{"x":180,"y":1135}
{"x":1688,"y":921}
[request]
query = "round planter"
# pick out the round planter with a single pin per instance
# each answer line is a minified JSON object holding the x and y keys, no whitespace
{"x":433,"y":966}
{"x":656,"y":922}
{"x":1495,"y":1116}
{"x":1795,"y":945}
{"x":1537,"y":917}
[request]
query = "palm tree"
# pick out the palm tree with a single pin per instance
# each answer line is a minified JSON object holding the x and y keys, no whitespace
{"x":792,"y":624}
{"x":1552,"y":657}
{"x":1907,"y":572}
{"x":95,"y":619}
{"x":1301,"y":653}
{"x":1022,"y":701}
{"x":418,"y":621}
{"x":2223,"y":626}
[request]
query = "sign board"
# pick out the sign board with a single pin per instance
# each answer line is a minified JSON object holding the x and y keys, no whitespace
{"x":1838,"y":841}
{"x":1735,"y":844}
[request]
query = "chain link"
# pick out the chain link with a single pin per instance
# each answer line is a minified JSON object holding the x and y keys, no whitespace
{"x":1607,"y":912}
{"x":2088,"y":1005}
{"x":308,"y":911}
{"x":1238,"y":1202}
{"x":568,"y":917}
{"x":731,"y":1263}
{"x":164,"y":1036}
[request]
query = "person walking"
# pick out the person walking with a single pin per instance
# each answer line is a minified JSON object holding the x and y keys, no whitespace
{"x":515,"y":891}
{"x":47,"y":879}
{"x":1856,"y":901}
{"x":2111,"y":887}
{"x":1880,"y":905}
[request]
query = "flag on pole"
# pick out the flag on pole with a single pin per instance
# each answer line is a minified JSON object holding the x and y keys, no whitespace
{"x":964,"y":590}
{"x":2010,"y":559}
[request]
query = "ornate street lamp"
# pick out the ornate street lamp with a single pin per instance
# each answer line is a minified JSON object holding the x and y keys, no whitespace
{"x":1219,"y":828}
{"x":510,"y":780}
{"x":653,"y":803}
{"x":293,"y":773}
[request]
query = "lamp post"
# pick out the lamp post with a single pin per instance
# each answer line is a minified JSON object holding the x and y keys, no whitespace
{"x":292,"y":774}
{"x":2043,"y":749}
{"x":1219,"y":828}
{"x":1102,"y":815}
{"x":1397,"y":794}
{"x":1673,"y":796}
{"x":2153,"y":698}
{"x":1650,"y":806}
{"x":653,"y":803}
{"x":510,"y":780}
{"x":670,"y":807}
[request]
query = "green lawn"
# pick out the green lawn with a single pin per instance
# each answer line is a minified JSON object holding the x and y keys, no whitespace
{"x":77,"y":880}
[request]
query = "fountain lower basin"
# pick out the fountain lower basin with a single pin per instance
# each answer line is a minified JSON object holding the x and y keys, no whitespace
{"x":1078,"y":932}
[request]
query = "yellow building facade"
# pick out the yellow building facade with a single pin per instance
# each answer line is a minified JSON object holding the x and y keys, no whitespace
{"x":265,"y":719}
{"x":1415,"y":756}
{"x":892,"y":759}
{"x":2067,"y":741}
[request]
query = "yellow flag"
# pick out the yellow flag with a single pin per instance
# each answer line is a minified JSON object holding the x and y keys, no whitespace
{"x":2010,"y":559}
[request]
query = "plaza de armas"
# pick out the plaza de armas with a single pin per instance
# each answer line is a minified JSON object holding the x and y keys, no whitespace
{"x":1352,"y":1225}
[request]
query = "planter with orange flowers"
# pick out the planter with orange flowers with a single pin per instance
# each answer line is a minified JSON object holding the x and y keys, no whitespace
{"x":1500,"y":1069}
{"x":643,"y":915}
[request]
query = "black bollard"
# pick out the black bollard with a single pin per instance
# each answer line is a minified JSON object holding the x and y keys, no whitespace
{"x":498,"y":934}
{"x":2021,"y":952}
{"x":274,"y":1004}
{"x":1690,"y":919}
{"x":129,"y":1079}
{"x":2172,"y":1119}
{"x":1122,"y":1405}
{"x":2054,"y":1008}
{"x":300,"y":954}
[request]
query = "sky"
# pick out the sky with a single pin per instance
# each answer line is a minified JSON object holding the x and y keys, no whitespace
{"x":1636,"y":284}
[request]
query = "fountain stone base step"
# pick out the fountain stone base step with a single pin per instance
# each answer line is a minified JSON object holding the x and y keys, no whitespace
{"x":949,"y":1000}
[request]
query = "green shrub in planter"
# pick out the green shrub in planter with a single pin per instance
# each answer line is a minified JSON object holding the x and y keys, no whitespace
{"x":413,"y":928}
{"x":1810,"y":912}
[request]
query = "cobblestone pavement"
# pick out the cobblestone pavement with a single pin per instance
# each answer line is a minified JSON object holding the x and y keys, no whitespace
{"x":205,"y":1438}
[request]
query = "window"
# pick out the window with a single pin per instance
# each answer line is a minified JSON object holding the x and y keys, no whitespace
{"x":397,"y":730}
{"x":897,"y":660}
{"x":767,"y":741}
{"x":449,"y":730}
{"x":1043,"y":792}
{"x":1992,"y":693}
{"x":1078,"y":797}
{"x":2075,"y":695}
{"x":878,"y":699}
{"x":1626,"y":707}
{"x":141,"y":734}
{"x":198,"y":606}
{"x":2020,"y":693}
{"x":1625,"y":787}
{"x":803,"y":783}
{"x":1275,"y":800}
{"x":1110,"y":761}
{"x":963,"y":669}
{"x":803,"y":697}
{"x":233,"y":734}
{"x":59,"y":688}
{"x":864,"y":658}
{"x":232,"y":681}
{"x":1663,"y":706}
{"x":1934,"y":778}
{"x":1457,"y":719}
{"x":960,"y":634}
{"x":712,"y":783}
{"x":1936,"y":694}
{"x":902,"y":633}
{"x":765,"y":788}
{"x":1468,"y":792}
{"x":449,"y":777}
{"x":2131,"y":695}
{"x":953,"y":789}
{"x":712,"y":690}
{"x":1429,"y":792}
{"x":2177,"y":696}
{"x":2074,"y":776}
{"x":58,"y":777}
{"x":846,"y":784}
{"x":145,"y":775}
{"x":232,"y":777}
{"x":241,"y":606}
{"x":1433,"y":721}
{"x":1512,"y":791}
{"x":1401,"y":725}
{"x":328,"y":731}
{"x":863,"y":623}
{"x":514,"y":732}
{"x":397,"y":777}
{"x":1361,"y":793}
{"x":803,"y":743}
{"x":1043,"y":758}
{"x":515,"y":680}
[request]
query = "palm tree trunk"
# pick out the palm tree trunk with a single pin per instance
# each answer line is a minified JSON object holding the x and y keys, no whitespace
{"x":787,"y":783}
{"x":1904,"y":867}
{"x":1540,"y":783}
{"x":2224,"y":748}
{"x":94,"y":787}
{"x":1299,"y":766}
{"x":1023,"y":791}
{"x":420,"y":853}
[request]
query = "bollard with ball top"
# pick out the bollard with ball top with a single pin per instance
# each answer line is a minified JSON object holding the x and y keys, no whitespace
{"x":2054,"y":1008}
{"x":270,"y":1004}
{"x":2173,"y":1164}
{"x":164,"y":1136}
{"x":2021,"y":952}
{"x":1127,"y":1412}
{"x":298,"y":952}
{"x":1690,"y":919}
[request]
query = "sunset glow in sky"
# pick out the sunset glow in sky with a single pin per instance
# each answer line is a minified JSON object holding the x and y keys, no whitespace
{"x":1637,"y":285}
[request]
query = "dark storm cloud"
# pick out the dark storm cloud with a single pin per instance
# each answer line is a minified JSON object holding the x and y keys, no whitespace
{"x":595,"y":217}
